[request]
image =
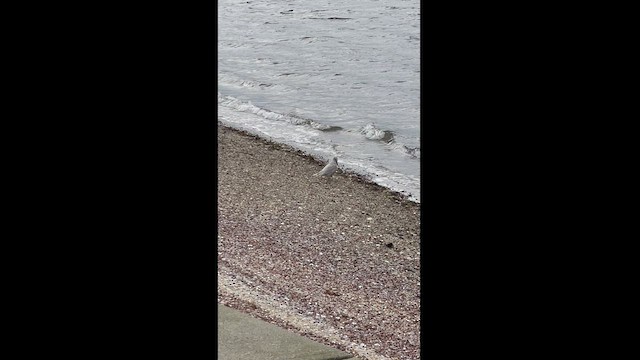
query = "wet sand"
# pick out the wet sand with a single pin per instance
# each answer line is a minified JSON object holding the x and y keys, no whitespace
{"x":336,"y":260}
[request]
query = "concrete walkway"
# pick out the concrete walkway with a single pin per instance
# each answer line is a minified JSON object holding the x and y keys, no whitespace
{"x":242,"y":337}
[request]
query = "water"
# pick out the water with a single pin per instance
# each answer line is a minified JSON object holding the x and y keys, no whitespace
{"x":331,"y":78}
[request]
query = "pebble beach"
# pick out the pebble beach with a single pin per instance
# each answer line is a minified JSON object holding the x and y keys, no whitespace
{"x":335,"y":259}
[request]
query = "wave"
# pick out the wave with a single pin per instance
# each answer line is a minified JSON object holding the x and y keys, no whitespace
{"x":414,"y":152}
{"x":292,"y":118}
{"x":369,"y":131}
{"x":230,"y":80}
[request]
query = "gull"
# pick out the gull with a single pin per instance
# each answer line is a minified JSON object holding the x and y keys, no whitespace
{"x":328,"y":170}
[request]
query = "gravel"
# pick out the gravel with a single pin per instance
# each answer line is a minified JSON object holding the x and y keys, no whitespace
{"x":336,"y":260}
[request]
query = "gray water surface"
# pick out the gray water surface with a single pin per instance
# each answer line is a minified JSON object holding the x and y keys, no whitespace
{"x":332,"y":78}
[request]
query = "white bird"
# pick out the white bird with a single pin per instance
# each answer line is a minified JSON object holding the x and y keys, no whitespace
{"x":329,"y":169}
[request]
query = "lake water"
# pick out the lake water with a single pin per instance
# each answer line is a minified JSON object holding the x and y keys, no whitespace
{"x":331,"y":78}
